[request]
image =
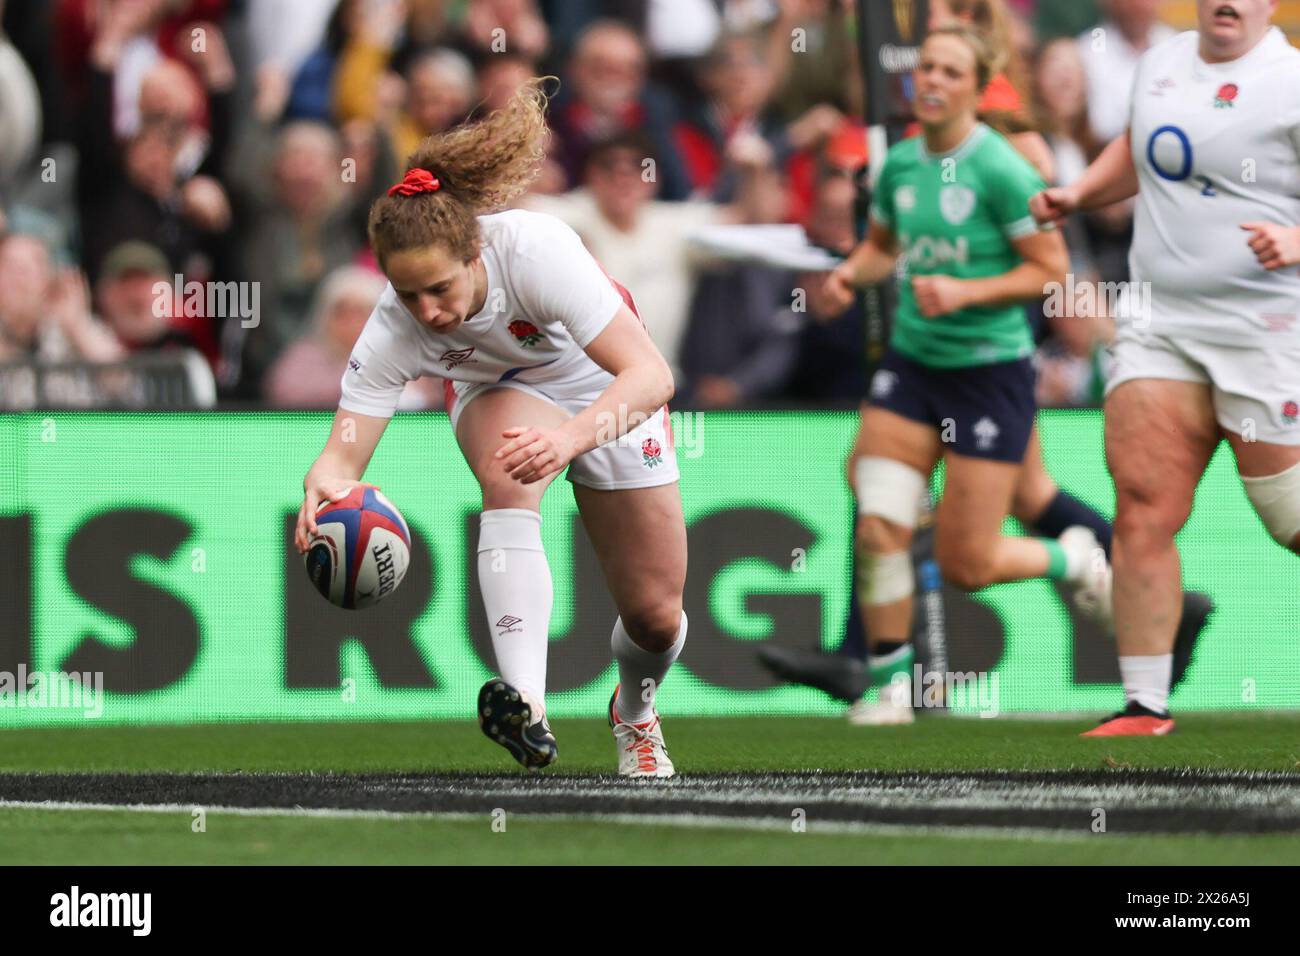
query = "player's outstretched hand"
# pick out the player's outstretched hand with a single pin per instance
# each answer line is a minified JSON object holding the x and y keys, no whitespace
{"x":1276,"y":247}
{"x":1053,"y":205}
{"x":317,"y":492}
{"x":532,"y":453}
{"x":938,"y":295}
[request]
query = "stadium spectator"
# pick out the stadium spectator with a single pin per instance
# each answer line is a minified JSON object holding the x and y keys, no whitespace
{"x":301,"y":39}
{"x":364,"y":84}
{"x":428,"y":22}
{"x":645,"y":241}
{"x":143,"y":32}
{"x":1061,"y":100}
{"x":677,"y":34}
{"x":133,"y":307}
{"x":299,"y":219}
{"x":436,"y":92}
{"x":830,"y":366}
{"x":812,"y":52}
{"x":740,"y":78}
{"x":1111,"y":51}
{"x":310,"y":372}
{"x":148,"y":189}
{"x":20,"y":116}
{"x":739,"y":81}
{"x":1069,"y":361}
{"x":495,"y":26}
{"x":500,"y":76}
{"x":45,"y":313}
{"x":605,"y":93}
{"x":742,"y":341}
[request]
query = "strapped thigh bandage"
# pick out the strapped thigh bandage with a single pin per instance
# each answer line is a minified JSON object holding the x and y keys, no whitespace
{"x":1277,"y":502}
{"x":888,"y":489}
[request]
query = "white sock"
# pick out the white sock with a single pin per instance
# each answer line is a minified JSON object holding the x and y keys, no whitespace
{"x":515,"y":582}
{"x":1146,"y":680}
{"x":640,"y":672}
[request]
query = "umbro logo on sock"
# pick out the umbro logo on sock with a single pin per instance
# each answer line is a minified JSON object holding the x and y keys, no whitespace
{"x":508,"y":624}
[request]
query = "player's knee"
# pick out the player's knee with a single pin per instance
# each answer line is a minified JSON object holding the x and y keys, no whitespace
{"x":655,"y":625}
{"x":1144,"y":518}
{"x":875,"y":535}
{"x":1276,"y":499}
{"x":505,"y":492}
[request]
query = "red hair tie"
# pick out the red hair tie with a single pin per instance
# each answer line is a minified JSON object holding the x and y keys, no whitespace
{"x":415,"y":182}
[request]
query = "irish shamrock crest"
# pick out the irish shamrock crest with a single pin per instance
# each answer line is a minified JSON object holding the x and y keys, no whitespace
{"x":651,"y":453}
{"x":1227,"y":93}
{"x":956,"y":202}
{"x":524,"y":332}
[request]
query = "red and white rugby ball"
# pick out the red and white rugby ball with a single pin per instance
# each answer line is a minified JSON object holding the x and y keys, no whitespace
{"x":361,"y":549}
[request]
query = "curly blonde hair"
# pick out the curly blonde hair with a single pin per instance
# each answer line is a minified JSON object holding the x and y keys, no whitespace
{"x":482,"y":167}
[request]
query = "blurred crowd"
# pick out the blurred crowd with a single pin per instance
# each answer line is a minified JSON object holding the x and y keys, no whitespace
{"x":242,"y":141}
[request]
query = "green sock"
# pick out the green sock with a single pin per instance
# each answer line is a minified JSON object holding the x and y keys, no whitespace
{"x":1056,"y":563}
{"x":883,"y":667}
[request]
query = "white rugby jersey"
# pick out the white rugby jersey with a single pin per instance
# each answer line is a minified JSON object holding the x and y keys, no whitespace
{"x":1216,"y":145}
{"x":547,"y":298}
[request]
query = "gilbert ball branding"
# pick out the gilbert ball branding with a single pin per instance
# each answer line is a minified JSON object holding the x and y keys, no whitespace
{"x":133,"y":910}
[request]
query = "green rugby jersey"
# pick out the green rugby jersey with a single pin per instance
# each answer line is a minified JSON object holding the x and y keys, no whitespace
{"x":956,"y":214}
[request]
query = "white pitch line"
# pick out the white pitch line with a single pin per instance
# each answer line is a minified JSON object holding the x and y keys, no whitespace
{"x":693,"y":821}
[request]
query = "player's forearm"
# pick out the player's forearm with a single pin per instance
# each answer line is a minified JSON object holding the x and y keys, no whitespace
{"x":1024,"y":283}
{"x":869,"y":264}
{"x":332,"y":465}
{"x":628,"y":401}
{"x":347,"y":453}
{"x":1111,"y":178}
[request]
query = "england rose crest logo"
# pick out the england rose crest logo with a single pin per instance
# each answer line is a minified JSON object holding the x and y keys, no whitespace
{"x":651,"y":453}
{"x":1290,"y":412}
{"x":1227,"y":93}
{"x":525,"y":333}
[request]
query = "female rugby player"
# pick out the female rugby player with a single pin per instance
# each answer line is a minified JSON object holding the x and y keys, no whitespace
{"x":1038,"y":502}
{"x":547,"y":366}
{"x":1217,"y":359}
{"x":956,"y":382}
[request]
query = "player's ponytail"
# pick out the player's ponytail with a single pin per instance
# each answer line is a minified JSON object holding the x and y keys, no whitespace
{"x":466,"y":172}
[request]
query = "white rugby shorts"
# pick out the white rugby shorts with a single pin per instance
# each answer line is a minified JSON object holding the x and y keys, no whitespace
{"x":1254,"y":386}
{"x":642,"y":458}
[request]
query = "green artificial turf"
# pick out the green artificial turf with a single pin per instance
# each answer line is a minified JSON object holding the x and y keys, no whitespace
{"x":1257,"y":742}
{"x":1206,"y":741}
